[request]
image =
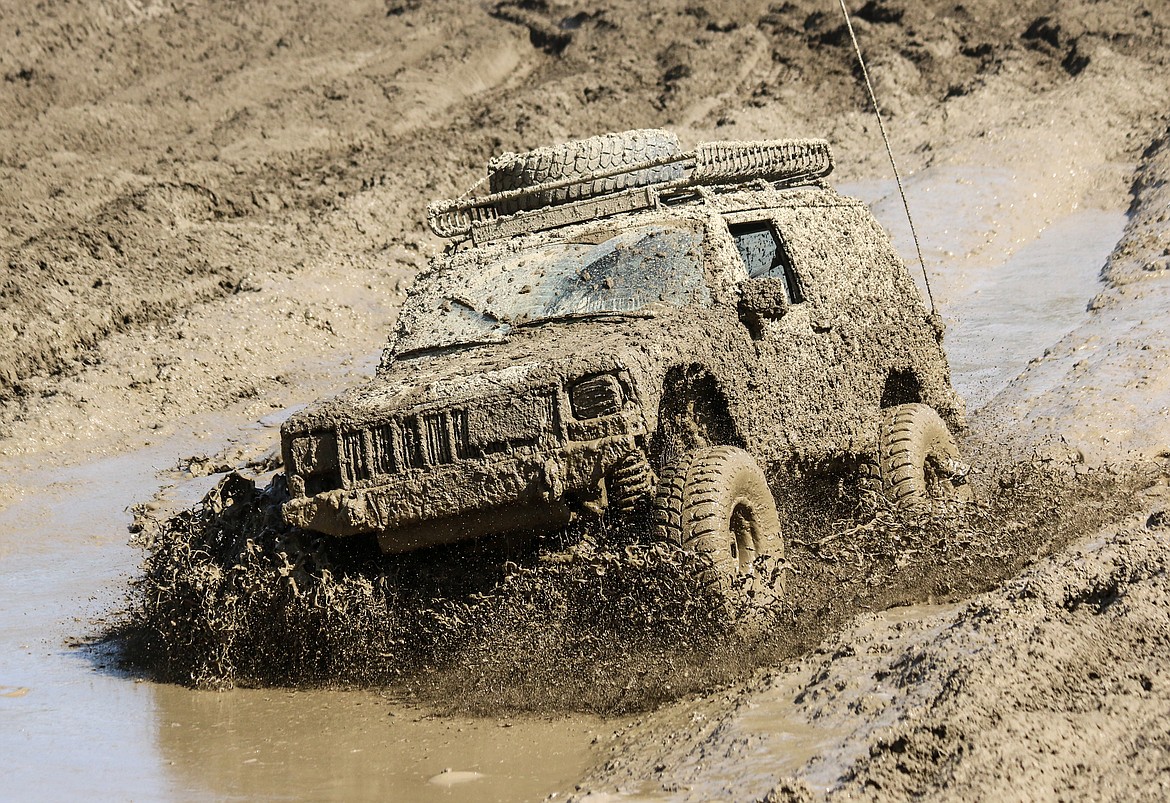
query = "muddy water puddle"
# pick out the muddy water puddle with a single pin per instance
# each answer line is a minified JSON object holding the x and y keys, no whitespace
{"x":74,"y":726}
{"x":340,"y":745}
{"x":1038,"y":296}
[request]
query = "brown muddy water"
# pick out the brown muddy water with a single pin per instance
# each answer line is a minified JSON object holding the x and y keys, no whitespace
{"x":73,"y":725}
{"x":1007,"y":284}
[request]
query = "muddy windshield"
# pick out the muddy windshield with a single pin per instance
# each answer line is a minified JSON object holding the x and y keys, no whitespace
{"x":601,"y":274}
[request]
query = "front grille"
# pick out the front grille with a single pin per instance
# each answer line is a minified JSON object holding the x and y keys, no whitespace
{"x":357,"y":467}
{"x":445,"y":436}
{"x":381,"y":450}
{"x":438,"y":440}
{"x":427,"y":439}
{"x":369,"y":453}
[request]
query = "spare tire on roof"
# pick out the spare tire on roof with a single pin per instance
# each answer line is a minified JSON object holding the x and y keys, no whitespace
{"x":514,"y":171}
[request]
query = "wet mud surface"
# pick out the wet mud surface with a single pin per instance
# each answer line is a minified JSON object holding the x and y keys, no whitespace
{"x":159,"y":738}
{"x":215,"y":227}
{"x":947,"y":701}
{"x":597,"y":622}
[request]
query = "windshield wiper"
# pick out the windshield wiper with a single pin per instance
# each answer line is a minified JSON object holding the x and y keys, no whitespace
{"x":463,"y":302}
{"x":584,"y":316}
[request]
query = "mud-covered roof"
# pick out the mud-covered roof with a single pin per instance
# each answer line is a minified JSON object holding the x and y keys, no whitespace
{"x":697,"y":204}
{"x":616,"y":172}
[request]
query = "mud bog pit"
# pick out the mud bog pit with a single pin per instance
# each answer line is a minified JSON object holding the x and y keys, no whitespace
{"x":163,"y":741}
{"x":206,"y":216}
{"x":62,"y":537}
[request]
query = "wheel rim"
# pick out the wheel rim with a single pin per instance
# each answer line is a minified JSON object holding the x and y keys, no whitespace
{"x":938,"y":475}
{"x":744,"y":545}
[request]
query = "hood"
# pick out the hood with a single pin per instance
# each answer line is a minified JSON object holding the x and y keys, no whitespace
{"x":538,"y":357}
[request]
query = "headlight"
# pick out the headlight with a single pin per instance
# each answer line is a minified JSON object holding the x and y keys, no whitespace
{"x":314,"y":454}
{"x":596,"y":396}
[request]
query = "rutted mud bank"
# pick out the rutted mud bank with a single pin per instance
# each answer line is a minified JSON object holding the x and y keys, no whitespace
{"x":290,"y":144}
{"x":1103,"y":389}
{"x":1043,"y":688}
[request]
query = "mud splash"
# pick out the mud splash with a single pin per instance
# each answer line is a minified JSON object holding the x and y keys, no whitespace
{"x":230,"y":595}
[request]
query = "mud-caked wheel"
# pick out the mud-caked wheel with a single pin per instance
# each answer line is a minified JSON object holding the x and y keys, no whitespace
{"x":918,"y":460}
{"x":716,"y":502}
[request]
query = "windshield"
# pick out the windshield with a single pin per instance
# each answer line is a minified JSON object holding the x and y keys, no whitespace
{"x":597,"y":274}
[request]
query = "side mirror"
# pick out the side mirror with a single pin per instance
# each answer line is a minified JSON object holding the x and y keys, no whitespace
{"x":767,"y":296}
{"x":762,"y":300}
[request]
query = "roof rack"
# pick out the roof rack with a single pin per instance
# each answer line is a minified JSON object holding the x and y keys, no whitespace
{"x":782,"y":162}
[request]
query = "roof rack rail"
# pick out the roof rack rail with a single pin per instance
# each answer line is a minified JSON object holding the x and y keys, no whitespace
{"x":782,"y":162}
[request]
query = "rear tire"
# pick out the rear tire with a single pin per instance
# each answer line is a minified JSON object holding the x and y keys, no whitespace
{"x":716,"y":502}
{"x":918,"y":459}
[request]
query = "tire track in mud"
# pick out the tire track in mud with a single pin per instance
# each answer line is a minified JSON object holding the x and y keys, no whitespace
{"x":1103,"y":390}
{"x":281,"y":111}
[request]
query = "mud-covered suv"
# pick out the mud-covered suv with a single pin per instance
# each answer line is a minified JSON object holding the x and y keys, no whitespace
{"x":618,"y":325}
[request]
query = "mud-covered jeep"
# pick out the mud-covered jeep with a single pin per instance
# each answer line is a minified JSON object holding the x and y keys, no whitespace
{"x":619,"y":325}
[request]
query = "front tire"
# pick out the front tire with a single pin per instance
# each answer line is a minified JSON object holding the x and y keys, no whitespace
{"x":918,"y":459}
{"x":716,"y":502}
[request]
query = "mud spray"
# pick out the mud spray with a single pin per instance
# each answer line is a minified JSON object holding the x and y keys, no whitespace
{"x":228,"y":594}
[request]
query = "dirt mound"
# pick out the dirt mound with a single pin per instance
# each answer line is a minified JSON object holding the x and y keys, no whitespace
{"x":293,"y":119}
{"x":1076,"y":647}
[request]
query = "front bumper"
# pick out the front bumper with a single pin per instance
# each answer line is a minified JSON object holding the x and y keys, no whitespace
{"x":467,"y":499}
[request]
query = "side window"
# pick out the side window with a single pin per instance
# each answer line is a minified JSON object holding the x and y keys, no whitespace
{"x":765,"y":256}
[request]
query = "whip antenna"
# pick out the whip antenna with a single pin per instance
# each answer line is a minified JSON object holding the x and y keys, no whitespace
{"x":889,"y":151}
